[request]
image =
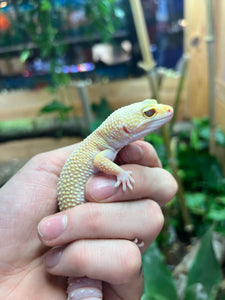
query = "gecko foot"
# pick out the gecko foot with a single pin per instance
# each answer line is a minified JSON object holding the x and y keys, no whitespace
{"x":125,"y":179}
{"x":139,"y":243}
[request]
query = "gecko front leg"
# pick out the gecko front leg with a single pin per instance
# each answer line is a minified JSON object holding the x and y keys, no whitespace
{"x":103,"y":162}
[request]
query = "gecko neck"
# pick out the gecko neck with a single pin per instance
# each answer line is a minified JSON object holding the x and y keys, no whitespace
{"x":122,"y":138}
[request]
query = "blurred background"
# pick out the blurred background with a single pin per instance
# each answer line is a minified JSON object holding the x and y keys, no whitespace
{"x":65,"y":65}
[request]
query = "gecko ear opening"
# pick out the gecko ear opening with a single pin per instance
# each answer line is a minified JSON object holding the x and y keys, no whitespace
{"x":149,"y":113}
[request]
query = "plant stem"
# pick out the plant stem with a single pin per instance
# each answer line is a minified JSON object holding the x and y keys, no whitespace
{"x":148,"y":64}
{"x":151,"y":75}
{"x":171,"y":155}
{"x":179,"y":91}
{"x":83,"y":94}
{"x":211,"y":72}
{"x":171,"y":152}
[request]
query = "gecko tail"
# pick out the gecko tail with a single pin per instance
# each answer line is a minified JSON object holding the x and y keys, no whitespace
{"x":84,"y":288}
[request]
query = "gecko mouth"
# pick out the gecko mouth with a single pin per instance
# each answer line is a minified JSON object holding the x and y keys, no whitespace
{"x":169,"y":115}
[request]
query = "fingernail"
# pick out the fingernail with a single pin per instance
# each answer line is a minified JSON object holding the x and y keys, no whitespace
{"x":51,"y":259}
{"x":52,"y":227}
{"x":100,"y":188}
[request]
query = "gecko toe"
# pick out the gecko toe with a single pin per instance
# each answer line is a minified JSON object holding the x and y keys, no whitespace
{"x":126,"y":180}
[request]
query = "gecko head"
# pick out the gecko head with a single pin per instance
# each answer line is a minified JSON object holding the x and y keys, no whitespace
{"x":154,"y":115}
{"x":136,"y":120}
{"x":149,"y":115}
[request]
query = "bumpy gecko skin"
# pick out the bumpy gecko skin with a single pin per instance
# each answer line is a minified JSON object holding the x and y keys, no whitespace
{"x":97,"y":153}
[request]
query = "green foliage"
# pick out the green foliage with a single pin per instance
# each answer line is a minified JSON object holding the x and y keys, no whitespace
{"x":57,"y":107}
{"x":206,"y":209}
{"x":203,"y":278}
{"x":24,"y":55}
{"x":159,"y":284}
{"x":205,"y":271}
{"x":40,"y":24}
{"x":156,"y":140}
{"x":105,"y":17}
{"x":201,"y":134}
{"x":201,"y":175}
{"x":217,"y":212}
{"x":16,"y":125}
{"x":204,"y":186}
{"x":101,"y":111}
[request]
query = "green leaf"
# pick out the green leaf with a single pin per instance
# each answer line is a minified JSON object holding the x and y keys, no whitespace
{"x":194,"y":139}
{"x":221,"y":199}
{"x":45,"y":5}
{"x":119,"y":13}
{"x":103,"y":17}
{"x":196,"y":202}
{"x":58,"y":107}
{"x":205,"y":270}
{"x":154,"y":138}
{"x":196,"y":292}
{"x":205,"y":132}
{"x":216,"y":215}
{"x":220,"y":137}
{"x":24,"y":55}
{"x":102,"y":109}
{"x":159,"y":284}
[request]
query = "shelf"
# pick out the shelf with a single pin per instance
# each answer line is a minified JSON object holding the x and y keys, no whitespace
{"x":68,"y":40}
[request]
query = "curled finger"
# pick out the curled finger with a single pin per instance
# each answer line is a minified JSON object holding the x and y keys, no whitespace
{"x":139,"y":152}
{"x":153,"y":183}
{"x":129,"y":220}
{"x":114,"y":261}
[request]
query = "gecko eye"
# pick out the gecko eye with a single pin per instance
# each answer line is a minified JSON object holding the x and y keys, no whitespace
{"x":149,"y":113}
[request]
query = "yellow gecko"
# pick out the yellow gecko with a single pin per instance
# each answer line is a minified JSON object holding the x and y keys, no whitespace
{"x":97,"y":153}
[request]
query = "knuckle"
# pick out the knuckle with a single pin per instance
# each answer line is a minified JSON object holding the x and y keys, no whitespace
{"x":79,"y":256}
{"x":163,"y":186}
{"x":46,"y":163}
{"x":93,"y":220}
{"x":130,"y":262}
{"x":150,"y":153}
{"x":170,"y":186}
{"x":39,"y":158}
{"x":152,"y":221}
{"x":150,"y":150}
{"x":154,"y":218}
{"x":41,"y":162}
{"x":157,"y":213}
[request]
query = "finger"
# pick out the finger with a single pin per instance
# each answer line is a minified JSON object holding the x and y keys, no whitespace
{"x":114,"y":261}
{"x":129,"y":220}
{"x":153,"y":183}
{"x":139,"y":152}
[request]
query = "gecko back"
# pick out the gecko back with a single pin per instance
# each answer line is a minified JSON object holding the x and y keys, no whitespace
{"x":75,"y":173}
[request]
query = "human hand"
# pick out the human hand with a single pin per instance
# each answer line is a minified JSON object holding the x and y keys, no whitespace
{"x":98,"y":237}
